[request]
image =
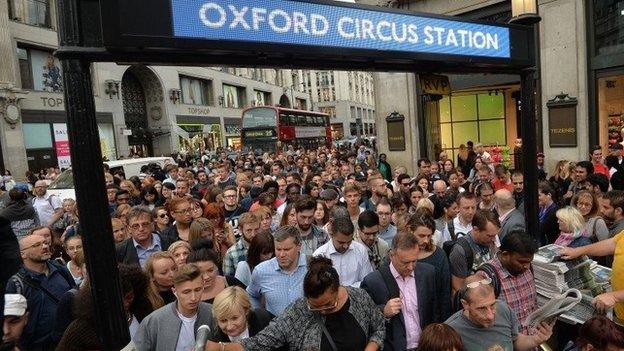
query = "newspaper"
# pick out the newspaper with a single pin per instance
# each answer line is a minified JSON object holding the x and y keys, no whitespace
{"x":557,"y":305}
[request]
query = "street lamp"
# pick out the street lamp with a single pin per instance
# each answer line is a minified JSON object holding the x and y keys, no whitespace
{"x":524,"y":12}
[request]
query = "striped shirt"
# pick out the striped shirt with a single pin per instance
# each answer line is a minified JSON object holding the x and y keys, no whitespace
{"x":279,"y":288}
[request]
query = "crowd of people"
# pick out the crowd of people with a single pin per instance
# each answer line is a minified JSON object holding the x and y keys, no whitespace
{"x":325,"y":249}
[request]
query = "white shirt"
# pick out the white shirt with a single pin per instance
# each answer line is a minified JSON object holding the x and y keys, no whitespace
{"x":461,"y":229}
{"x":46,"y":206}
{"x":186,"y":338}
{"x":352,"y":265}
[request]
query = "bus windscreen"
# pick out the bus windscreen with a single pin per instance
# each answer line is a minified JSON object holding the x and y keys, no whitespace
{"x":259,"y":117}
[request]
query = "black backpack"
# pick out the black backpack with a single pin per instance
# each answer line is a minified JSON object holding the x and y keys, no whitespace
{"x":20,"y":280}
{"x":463,"y":242}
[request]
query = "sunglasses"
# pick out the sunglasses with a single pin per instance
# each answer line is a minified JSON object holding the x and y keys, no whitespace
{"x":473,"y":285}
{"x":324,"y":308}
{"x":163,"y":215}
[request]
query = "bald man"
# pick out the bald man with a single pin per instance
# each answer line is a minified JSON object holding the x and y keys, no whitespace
{"x":510,"y":218}
{"x":486,"y":323}
{"x":439,"y":188}
{"x":49,"y":207}
{"x":42,"y":282}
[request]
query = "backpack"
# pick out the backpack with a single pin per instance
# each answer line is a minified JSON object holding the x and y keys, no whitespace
{"x":451,"y":228}
{"x":463,"y":242}
{"x":491,"y":272}
{"x":20,"y":281}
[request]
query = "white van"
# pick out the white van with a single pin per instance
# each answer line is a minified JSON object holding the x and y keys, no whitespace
{"x":63,"y":185}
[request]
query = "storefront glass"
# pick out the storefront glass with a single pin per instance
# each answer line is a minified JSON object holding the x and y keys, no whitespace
{"x":610,"y":109}
{"x":199,"y":137}
{"x":478,"y":117}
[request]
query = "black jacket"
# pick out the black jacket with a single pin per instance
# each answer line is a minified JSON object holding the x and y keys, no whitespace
{"x":257,"y":320}
{"x":429,"y":303}
{"x":126,"y":252}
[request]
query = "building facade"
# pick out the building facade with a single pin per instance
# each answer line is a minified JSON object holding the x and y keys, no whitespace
{"x":348,"y":97}
{"x":149,"y":110}
{"x":578,"y":45}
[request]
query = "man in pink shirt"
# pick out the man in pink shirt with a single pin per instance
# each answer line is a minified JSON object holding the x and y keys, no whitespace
{"x":406,"y":292}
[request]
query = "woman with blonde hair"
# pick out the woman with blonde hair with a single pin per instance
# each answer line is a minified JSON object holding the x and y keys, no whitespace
{"x":160,"y":268}
{"x":571,"y":224}
{"x":180,"y":251}
{"x":235,"y":317}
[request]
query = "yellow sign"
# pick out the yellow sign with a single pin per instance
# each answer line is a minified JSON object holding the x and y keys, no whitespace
{"x":434,"y":84}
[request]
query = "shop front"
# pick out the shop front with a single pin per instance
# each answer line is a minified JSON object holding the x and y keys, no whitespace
{"x":198,"y":133}
{"x":232,"y":133}
{"x":337,"y":131}
{"x":606,"y":76}
{"x":46,"y":141}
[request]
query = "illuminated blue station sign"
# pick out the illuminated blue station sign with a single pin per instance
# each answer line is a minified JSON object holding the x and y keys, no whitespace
{"x":324,"y":25}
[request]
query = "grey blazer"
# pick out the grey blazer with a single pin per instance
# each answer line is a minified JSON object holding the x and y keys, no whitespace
{"x":513,"y":221}
{"x":160,"y":330}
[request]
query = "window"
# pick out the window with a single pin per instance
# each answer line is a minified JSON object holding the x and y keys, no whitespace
{"x":37,"y":135}
{"x":262,"y":98}
{"x":477,"y":117}
{"x":608,"y":28}
{"x":196,"y":91}
{"x":40,"y":70}
{"x":353,"y":112}
{"x":33,"y":12}
{"x":233,"y":96}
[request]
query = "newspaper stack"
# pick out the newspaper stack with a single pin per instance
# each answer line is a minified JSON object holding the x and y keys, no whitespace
{"x":554,"y":276}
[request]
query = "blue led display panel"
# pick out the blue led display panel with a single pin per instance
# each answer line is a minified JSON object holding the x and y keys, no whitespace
{"x":323,"y":25}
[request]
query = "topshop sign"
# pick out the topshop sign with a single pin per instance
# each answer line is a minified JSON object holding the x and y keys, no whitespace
{"x":315,"y":24}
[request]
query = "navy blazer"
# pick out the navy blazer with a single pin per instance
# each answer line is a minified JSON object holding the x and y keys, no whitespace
{"x":429,"y":305}
{"x":126,"y":252}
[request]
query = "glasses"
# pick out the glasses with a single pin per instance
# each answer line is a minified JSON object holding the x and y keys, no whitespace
{"x":163,"y":215}
{"x":473,"y":285}
{"x":229,"y":196}
{"x":324,"y":308}
{"x":185,"y":211}
{"x":139,"y":225}
{"x":35,"y":246}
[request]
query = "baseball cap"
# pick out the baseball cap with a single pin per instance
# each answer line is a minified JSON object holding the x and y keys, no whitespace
{"x":14,"y":305}
{"x":328,"y":195}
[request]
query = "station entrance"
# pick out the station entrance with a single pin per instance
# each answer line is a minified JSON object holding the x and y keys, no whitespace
{"x":313,"y":34}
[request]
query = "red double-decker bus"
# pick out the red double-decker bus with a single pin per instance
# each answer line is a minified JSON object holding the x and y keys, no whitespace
{"x":269,"y":128}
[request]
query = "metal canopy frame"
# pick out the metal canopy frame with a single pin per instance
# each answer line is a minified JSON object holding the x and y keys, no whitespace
{"x":113,"y":31}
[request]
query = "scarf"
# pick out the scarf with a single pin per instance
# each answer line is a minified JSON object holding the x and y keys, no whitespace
{"x":565,"y":239}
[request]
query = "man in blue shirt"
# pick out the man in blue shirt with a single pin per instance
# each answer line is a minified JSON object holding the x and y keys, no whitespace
{"x":42,"y":282}
{"x":280,"y":280}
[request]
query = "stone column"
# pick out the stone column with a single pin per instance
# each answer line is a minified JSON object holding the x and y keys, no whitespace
{"x":396,"y":92}
{"x":562,"y":35}
{"x":11,"y":135}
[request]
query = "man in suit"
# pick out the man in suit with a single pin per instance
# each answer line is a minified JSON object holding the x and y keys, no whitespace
{"x":143,"y":241}
{"x":405,"y":291}
{"x":510,"y":218}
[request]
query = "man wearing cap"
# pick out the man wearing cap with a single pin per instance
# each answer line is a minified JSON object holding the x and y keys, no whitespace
{"x":42,"y":282}
{"x":15,"y":318}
